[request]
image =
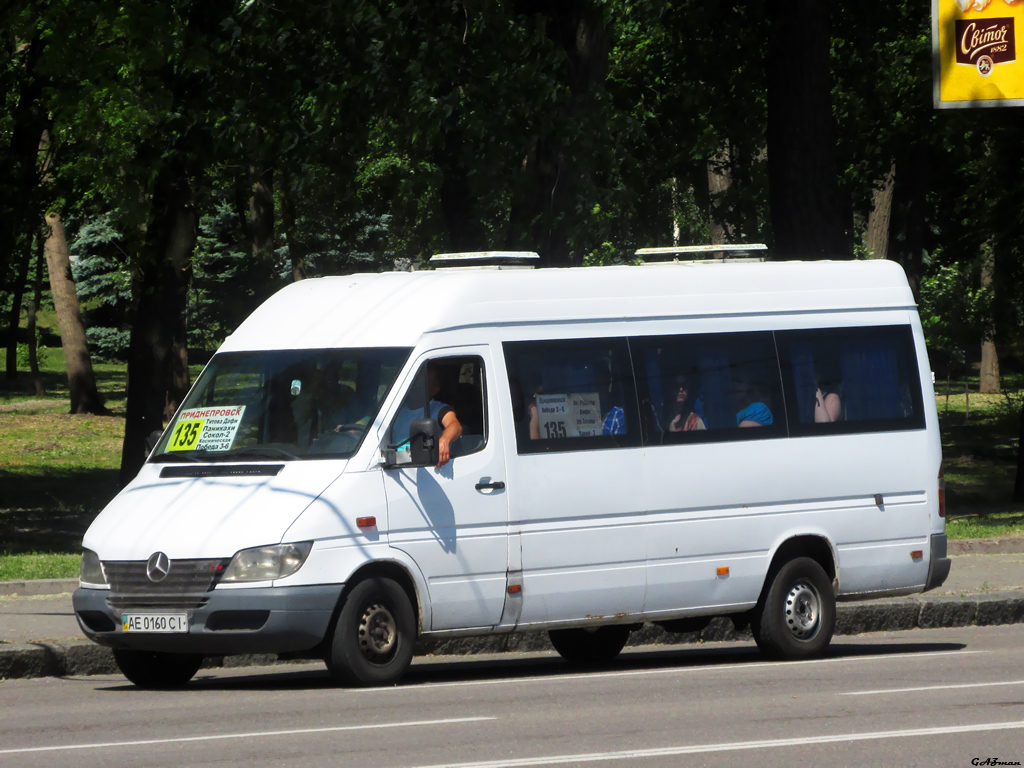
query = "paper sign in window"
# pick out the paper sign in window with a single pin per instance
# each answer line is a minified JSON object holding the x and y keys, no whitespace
{"x":206,"y":429}
{"x":577,"y":414}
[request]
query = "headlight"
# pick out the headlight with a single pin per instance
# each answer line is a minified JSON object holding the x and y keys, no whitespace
{"x":92,"y":570}
{"x":267,"y":563}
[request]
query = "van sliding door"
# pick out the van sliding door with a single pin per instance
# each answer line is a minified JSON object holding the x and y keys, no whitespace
{"x":578,"y":439}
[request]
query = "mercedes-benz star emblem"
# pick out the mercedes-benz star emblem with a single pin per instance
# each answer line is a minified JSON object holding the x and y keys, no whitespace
{"x":158,"y":566}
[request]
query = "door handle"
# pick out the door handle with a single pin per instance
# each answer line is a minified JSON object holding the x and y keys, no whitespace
{"x":495,"y":486}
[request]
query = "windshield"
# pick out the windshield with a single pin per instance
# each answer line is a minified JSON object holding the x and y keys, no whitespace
{"x":301,"y":404}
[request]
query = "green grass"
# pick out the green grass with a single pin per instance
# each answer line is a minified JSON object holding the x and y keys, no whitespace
{"x":38,"y":566}
{"x":57,"y":471}
{"x":979,"y":447}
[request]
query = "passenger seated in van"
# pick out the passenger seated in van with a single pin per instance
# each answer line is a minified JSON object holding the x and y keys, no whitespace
{"x":828,"y":400}
{"x":753,"y":412}
{"x":346,"y":413}
{"x":445,"y":415}
{"x":685,"y":417}
{"x":614,"y":421}
{"x":533,"y":414}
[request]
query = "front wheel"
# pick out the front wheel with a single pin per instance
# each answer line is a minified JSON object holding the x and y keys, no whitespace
{"x":798,"y":614}
{"x":374,"y":635}
{"x":591,"y":645}
{"x":156,"y":670}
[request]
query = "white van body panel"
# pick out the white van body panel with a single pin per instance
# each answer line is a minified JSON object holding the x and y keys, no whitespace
{"x":377,"y":310}
{"x":584,"y":555}
{"x":205,"y":517}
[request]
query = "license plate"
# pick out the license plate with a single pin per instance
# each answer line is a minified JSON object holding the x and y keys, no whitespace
{"x":154,"y":622}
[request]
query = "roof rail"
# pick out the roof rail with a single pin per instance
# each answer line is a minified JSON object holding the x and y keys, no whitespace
{"x":704,"y":253}
{"x":486,"y":260}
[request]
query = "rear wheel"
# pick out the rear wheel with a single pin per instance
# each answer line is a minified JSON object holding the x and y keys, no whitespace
{"x":798,"y":614}
{"x":590,"y":645}
{"x":374,"y":635}
{"x":156,"y":670}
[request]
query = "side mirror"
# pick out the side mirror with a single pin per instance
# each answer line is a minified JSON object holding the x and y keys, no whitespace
{"x":152,"y":439}
{"x":423,"y":449}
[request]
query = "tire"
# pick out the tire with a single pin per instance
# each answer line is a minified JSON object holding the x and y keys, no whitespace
{"x":156,"y":670}
{"x":592,"y":645}
{"x":374,"y":635}
{"x":797,"y":616}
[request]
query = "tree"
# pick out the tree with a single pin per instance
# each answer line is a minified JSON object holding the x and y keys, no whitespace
{"x":810,"y":219}
{"x":82,"y":383}
{"x":953,"y":316}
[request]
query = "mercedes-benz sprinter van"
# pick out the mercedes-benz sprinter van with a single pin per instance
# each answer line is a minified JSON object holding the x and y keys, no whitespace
{"x":659,"y":443}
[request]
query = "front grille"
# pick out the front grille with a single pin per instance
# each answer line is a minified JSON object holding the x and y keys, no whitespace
{"x":185,"y":586}
{"x":133,"y":602}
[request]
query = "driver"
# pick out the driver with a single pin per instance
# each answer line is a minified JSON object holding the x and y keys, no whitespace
{"x":444,"y":413}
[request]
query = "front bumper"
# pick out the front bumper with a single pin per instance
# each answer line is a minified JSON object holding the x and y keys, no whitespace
{"x":232,"y":621}
{"x":939,"y":565}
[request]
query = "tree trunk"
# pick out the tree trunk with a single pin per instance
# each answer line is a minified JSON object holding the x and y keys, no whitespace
{"x":466,"y":231}
{"x":556,"y":178}
{"x":989,"y":373}
{"x":880,"y":216}
{"x":967,"y":401}
{"x":33,"y":308}
{"x":84,"y":396}
{"x":677,"y":213}
{"x":910,"y":212}
{"x":261,"y":227}
{"x":809,"y":217}
{"x":296,"y":245}
{"x":28,"y":122}
{"x":158,"y":376}
{"x":14,"y":318}
{"x":1018,"y":485}
{"x":719,"y":181}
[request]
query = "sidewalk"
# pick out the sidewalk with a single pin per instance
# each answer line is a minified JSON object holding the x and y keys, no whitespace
{"x":39,"y":635}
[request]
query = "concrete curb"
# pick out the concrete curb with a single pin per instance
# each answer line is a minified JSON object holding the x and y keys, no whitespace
{"x":1007,"y":545}
{"x":36,"y":587}
{"x":80,"y":657}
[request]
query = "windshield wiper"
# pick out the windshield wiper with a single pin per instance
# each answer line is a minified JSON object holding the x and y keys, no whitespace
{"x":259,"y":451}
{"x":165,"y":458}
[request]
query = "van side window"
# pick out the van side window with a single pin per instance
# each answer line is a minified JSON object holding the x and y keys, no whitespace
{"x":572,"y":394}
{"x":704,"y":388}
{"x":851,"y":380}
{"x":459,"y":386}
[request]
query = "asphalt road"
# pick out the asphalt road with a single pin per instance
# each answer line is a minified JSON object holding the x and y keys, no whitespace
{"x":949,"y":697}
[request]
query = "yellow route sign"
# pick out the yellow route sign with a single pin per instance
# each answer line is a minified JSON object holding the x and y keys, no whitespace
{"x":974,"y":50}
{"x":206,"y":429}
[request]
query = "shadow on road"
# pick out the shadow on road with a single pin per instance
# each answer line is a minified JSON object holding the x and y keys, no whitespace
{"x":426,"y":671}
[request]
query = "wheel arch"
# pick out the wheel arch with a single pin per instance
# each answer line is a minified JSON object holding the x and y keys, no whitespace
{"x":388,"y":569}
{"x":813,"y":545}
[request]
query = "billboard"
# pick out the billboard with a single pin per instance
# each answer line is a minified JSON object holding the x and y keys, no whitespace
{"x":974,"y":52}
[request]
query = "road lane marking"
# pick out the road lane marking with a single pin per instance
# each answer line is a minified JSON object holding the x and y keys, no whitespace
{"x":663,"y":671}
{"x":252,"y":735}
{"x":931,"y":688}
{"x":646,"y":754}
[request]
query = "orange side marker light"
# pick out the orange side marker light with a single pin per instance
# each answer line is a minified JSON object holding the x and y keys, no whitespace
{"x":723,"y":570}
{"x":366,"y":522}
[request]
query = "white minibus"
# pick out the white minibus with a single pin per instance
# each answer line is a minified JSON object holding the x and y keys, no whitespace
{"x":661,"y":443}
